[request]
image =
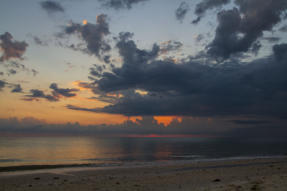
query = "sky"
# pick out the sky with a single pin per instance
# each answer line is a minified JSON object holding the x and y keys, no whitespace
{"x":193,"y":67}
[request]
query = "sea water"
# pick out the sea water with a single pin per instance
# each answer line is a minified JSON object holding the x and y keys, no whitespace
{"x":78,"y":150}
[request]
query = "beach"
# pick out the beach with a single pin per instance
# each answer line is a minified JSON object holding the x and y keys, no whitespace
{"x":236,"y":174}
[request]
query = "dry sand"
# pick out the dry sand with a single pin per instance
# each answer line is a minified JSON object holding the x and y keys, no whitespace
{"x":237,"y":175}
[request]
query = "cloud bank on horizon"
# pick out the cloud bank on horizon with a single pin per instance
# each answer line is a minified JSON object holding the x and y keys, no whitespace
{"x":239,"y":72}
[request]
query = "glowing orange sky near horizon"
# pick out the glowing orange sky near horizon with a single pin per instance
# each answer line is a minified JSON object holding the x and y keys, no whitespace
{"x":57,"y":113}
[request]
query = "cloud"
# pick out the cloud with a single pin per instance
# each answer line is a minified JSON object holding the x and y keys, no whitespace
{"x":120,"y":4}
{"x":147,"y":125}
{"x":193,"y":87}
{"x":35,"y":93}
{"x":199,"y":38}
{"x":250,"y":122}
{"x":11,"y":48}
{"x":205,"y":5}
{"x":2,"y":84}
{"x":239,"y":29}
{"x":170,"y":45}
{"x":39,"y":41}
{"x":52,"y":6}
{"x":280,"y":51}
{"x":265,"y":132}
{"x":55,"y":95}
{"x":85,"y":85}
{"x":283,"y":29}
{"x":144,"y":126}
{"x":93,"y":35}
{"x":14,"y":67}
{"x":12,"y":72}
{"x":17,"y":89}
{"x":66,"y":92}
{"x":272,"y":39}
{"x":181,"y":11}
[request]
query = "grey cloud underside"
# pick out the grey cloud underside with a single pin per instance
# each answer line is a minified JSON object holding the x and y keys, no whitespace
{"x":240,"y":28}
{"x":120,"y":4}
{"x":93,"y":35}
{"x":10,"y":48}
{"x":194,"y":88}
{"x":52,"y":6}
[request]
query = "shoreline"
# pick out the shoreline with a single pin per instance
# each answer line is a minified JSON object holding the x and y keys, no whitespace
{"x":120,"y":164}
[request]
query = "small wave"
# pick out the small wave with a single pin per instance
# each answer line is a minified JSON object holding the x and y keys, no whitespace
{"x":187,"y":156}
{"x":101,"y":159}
{"x":10,"y":160}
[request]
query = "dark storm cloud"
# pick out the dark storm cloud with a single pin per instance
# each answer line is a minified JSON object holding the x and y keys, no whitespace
{"x":239,"y":28}
{"x":66,"y":92}
{"x":11,"y":48}
{"x":93,"y":35}
{"x":120,"y":4}
{"x":193,"y":88}
{"x":181,"y":11}
{"x":280,"y":51}
{"x":205,"y":5}
{"x":17,"y":89}
{"x":52,"y":6}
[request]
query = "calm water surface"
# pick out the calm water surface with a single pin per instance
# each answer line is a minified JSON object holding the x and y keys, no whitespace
{"x":87,"y":149}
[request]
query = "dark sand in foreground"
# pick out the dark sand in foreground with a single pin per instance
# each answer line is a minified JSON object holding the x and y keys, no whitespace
{"x":251,"y":174}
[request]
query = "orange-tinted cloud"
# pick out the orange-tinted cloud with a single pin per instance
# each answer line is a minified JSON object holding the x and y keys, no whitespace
{"x":166,"y":120}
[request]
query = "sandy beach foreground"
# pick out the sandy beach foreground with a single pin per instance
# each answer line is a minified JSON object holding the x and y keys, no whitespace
{"x":251,"y":174}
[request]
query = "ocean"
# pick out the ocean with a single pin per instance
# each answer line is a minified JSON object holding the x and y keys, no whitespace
{"x":81,"y":150}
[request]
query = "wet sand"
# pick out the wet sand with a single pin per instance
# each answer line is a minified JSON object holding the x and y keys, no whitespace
{"x":237,"y":175}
